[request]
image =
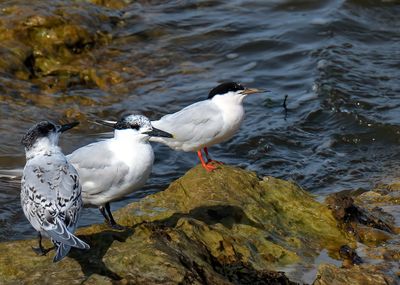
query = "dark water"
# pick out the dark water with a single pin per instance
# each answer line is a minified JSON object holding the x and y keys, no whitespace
{"x":338,"y":62}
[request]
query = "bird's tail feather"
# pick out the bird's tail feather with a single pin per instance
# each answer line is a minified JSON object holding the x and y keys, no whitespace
{"x":62,"y":251}
{"x":61,"y":234}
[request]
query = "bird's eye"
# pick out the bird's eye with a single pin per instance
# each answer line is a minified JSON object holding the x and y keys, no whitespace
{"x":239,"y":87}
{"x":46,"y":128}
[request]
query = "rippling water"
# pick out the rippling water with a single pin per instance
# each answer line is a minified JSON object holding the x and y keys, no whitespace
{"x":338,"y":62}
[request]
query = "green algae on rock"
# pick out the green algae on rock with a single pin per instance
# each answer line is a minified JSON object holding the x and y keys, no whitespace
{"x":224,"y":227}
{"x":57,"y":40}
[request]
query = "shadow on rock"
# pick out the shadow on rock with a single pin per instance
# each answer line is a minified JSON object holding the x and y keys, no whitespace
{"x":219,"y":269}
{"x":234,"y":273}
{"x":226,"y":215}
{"x":210,"y":269}
{"x":91,"y":261}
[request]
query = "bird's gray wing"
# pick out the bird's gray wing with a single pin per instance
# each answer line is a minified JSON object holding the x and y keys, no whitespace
{"x":97,"y":169}
{"x":197,"y":122}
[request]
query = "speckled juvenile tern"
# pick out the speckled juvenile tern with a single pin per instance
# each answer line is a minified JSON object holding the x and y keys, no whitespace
{"x":50,"y":189}
{"x":113,"y":168}
{"x":207,"y":122}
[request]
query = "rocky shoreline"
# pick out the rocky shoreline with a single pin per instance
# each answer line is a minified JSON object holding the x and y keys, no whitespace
{"x":228,"y":227}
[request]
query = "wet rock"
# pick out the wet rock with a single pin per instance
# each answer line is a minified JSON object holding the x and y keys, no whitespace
{"x":329,"y":274}
{"x":56,"y":40}
{"x":59,"y":55}
{"x":366,"y":224}
{"x":349,"y":256}
{"x":115,"y":4}
{"x":373,"y":218}
{"x":224,"y":227}
{"x":15,"y":58}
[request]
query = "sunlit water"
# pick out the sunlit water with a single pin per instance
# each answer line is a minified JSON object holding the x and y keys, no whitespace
{"x":338,"y":62}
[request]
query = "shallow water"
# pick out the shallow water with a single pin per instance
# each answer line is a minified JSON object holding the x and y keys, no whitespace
{"x":338,"y":62}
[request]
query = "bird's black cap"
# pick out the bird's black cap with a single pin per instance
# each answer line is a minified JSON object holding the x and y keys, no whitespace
{"x":41,"y":129}
{"x":225,"y":88}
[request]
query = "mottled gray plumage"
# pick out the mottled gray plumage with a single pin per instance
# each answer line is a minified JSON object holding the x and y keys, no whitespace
{"x":50,"y":189}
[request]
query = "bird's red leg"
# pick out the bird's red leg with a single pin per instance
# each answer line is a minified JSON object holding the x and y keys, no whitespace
{"x":207,"y":166}
{"x":209,"y":159}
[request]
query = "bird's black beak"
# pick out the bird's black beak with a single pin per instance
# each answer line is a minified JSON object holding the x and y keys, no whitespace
{"x":106,"y":123}
{"x":66,"y":127}
{"x":159,"y":133}
{"x":249,"y":91}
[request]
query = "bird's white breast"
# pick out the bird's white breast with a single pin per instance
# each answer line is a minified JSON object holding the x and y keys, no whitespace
{"x":233,"y":114}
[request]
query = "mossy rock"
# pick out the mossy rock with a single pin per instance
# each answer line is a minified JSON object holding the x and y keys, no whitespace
{"x":278,"y":214}
{"x":56,"y":39}
{"x":224,"y":227}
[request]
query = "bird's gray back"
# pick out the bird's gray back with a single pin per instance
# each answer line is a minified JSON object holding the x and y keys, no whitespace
{"x":100,"y":173}
{"x":92,"y":156}
{"x":194,"y":125}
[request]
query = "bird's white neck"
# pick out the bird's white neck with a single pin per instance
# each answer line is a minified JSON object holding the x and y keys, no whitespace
{"x":231,"y":106}
{"x":42,"y":146}
{"x":230,"y":103}
{"x":127,"y":145}
{"x":130,"y":136}
{"x":231,"y":98}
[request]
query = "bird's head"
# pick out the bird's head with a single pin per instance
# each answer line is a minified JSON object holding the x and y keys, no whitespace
{"x":233,"y":90}
{"x":136,"y":125}
{"x":44,"y":133}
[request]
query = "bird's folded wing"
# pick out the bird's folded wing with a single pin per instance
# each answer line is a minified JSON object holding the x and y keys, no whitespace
{"x":93,"y":155}
{"x":96,"y":168}
{"x":58,"y":231}
{"x":62,"y":251}
{"x":199,"y":121}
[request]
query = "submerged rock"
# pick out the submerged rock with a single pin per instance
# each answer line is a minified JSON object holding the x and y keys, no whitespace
{"x":224,"y":227}
{"x":58,"y":44}
{"x":115,"y":4}
{"x":373,"y":218}
{"x":349,"y":256}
